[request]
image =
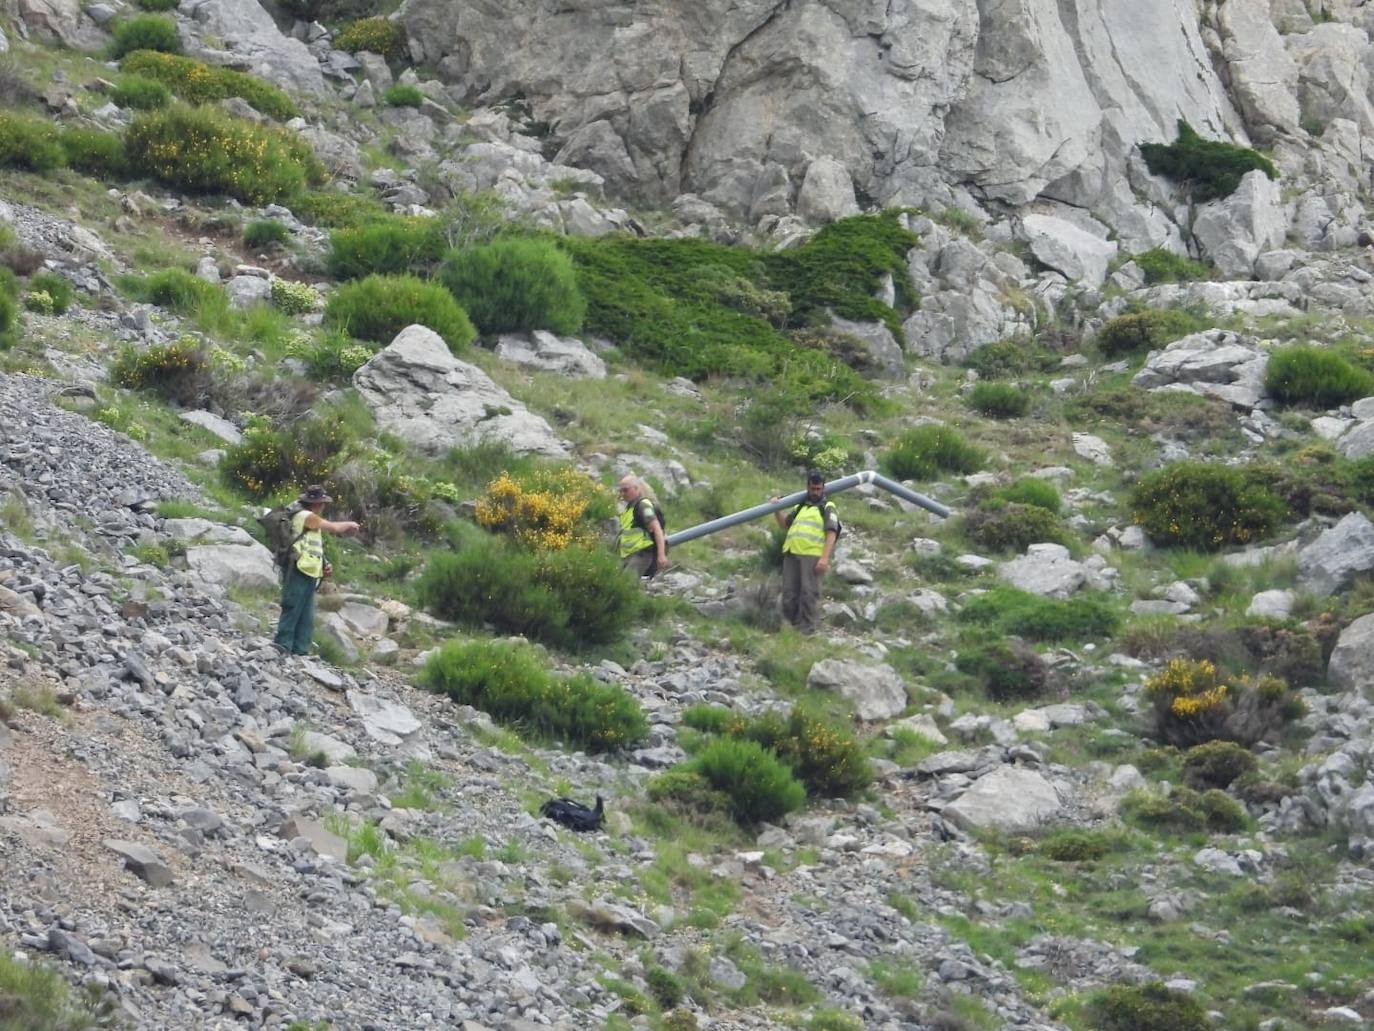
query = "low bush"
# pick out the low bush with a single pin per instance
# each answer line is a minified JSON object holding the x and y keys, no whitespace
{"x":1208,"y":169}
{"x":1216,"y":764}
{"x":1192,"y":703}
{"x":1004,"y":359}
{"x":1146,"y":331}
{"x":685,"y":789}
{"x":38,"y":998}
{"x":265,"y":232}
{"x":1315,"y":376}
{"x":158,"y":5}
{"x":379,"y":307}
{"x":508,"y":682}
{"x":1011,"y":526}
{"x":1150,"y":1007}
{"x":375,"y":35}
{"x":145,"y":32}
{"x":999,"y":400}
{"x":388,"y":246}
{"x":180,"y":373}
{"x":179,"y":291}
{"x":56,"y":286}
{"x":545,"y":509}
{"x":1007,"y":610}
{"x":759,"y":786}
{"x":1075,"y":846}
{"x":827,"y":758}
{"x":1030,"y":490}
{"x":140,"y":93}
{"x":336,"y":356}
{"x":1007,"y":670}
{"x":268,"y":461}
{"x":30,"y":144}
{"x":402,"y":95}
{"x":1164,"y":266}
{"x":927,"y":451}
{"x":338,"y":209}
{"x":570,"y":598}
{"x":515,"y":285}
{"x":95,"y":153}
{"x":1204,"y":506}
{"x":199,"y":83}
{"x":206,"y":151}
{"x":293,"y":298}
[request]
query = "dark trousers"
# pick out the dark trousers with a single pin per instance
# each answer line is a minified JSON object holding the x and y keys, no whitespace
{"x":801,"y":591}
{"x":644,"y":562}
{"x":296,"y":629}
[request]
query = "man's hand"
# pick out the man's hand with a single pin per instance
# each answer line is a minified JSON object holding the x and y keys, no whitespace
{"x":822,"y":564}
{"x":350,"y":527}
{"x":328,"y":570}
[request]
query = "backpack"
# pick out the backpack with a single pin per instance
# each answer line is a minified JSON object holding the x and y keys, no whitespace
{"x":658,"y":514}
{"x":575,"y":815}
{"x":839,"y":524}
{"x":282,"y":542}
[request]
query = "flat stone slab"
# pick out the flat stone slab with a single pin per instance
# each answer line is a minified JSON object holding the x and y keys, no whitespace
{"x":142,"y":862}
{"x":1009,"y":798}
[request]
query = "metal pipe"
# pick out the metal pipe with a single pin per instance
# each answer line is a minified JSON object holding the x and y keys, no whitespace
{"x":833,"y":487}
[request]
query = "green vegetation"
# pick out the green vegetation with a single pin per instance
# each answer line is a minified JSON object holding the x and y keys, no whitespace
{"x":1011,"y":526}
{"x":198,"y":83}
{"x":202,"y":150}
{"x":145,"y":32}
{"x":1204,"y":506}
{"x":514,"y":285}
{"x":1207,"y":169}
{"x":402,"y":95}
{"x":388,"y":245}
{"x":1146,"y":331}
{"x":265,"y":232}
{"x":1164,"y":266}
{"x":379,"y":307}
{"x":508,"y":682}
{"x":180,"y":372}
{"x":298,"y":454}
{"x":999,"y":400}
{"x":140,"y":93}
{"x":1005,"y":670}
{"x":31,"y":144}
{"x":1149,"y":1007}
{"x":927,"y":451}
{"x":375,"y":35}
{"x":57,"y":289}
{"x":1031,"y":490}
{"x":757,"y":784}
{"x":34,"y":997}
{"x":1315,"y":376}
{"x":1006,"y":610}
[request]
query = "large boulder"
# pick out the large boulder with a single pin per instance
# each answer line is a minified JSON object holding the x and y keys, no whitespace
{"x":546,"y":352}
{"x":1235,"y":230}
{"x":876,"y":691}
{"x":1074,"y":252}
{"x":63,"y":22}
{"x":417,"y":390}
{"x":827,"y":192}
{"x":1047,"y":570}
{"x":1009,"y":799}
{"x":1334,"y":559}
{"x":1352,"y":661}
{"x":233,"y":565}
{"x":242,"y":32}
{"x":1216,"y":362}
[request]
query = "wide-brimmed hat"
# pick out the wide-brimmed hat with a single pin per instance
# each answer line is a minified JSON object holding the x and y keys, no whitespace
{"x":315,"y":494}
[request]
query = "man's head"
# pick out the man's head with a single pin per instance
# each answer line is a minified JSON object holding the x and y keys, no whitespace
{"x":630,"y":488}
{"x":815,"y":484}
{"x":314,"y":497}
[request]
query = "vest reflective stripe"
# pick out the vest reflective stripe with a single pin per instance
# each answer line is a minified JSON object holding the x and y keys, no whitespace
{"x":309,"y":548}
{"x":806,"y":535}
{"x":632,"y":538}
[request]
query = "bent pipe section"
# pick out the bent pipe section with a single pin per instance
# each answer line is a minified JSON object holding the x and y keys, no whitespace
{"x":833,"y":487}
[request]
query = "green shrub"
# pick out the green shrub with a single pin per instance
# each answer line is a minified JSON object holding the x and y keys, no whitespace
{"x":30,"y":144}
{"x":1208,"y":169}
{"x":264,"y":232}
{"x":145,"y":32}
{"x":206,"y":151}
{"x":1215,"y":764}
{"x":1192,"y":702}
{"x":56,"y":287}
{"x":379,"y":307}
{"x":688,"y":790}
{"x":179,"y":291}
{"x":95,"y":153}
{"x":1012,"y":526}
{"x":1075,"y":846}
{"x":38,"y":998}
{"x":335,"y":357}
{"x":402,"y":95}
{"x":140,"y":93}
{"x":180,"y":372}
{"x":1146,"y":331}
{"x":336,"y":209}
{"x":513,"y":285}
{"x":1204,"y":506}
{"x":666,"y":987}
{"x":927,"y":451}
{"x":158,"y":5}
{"x":9,"y":315}
{"x":294,"y":298}
{"x":1011,"y":611}
{"x":1150,"y":1007}
{"x":199,"y":83}
{"x":1003,"y":359}
{"x":1006,"y":670}
{"x":1222,"y":813}
{"x":757,"y":783}
{"x":1164,"y":266}
{"x":375,"y":35}
{"x":1315,"y":376}
{"x":1031,"y":490}
{"x":999,"y":400}
{"x":570,"y":598}
{"x":509,"y":683}
{"x":391,"y":246}
{"x":269,"y":460}
{"x":827,"y":758}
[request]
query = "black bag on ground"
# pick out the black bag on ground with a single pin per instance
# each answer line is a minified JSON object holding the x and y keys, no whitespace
{"x":575,"y":815}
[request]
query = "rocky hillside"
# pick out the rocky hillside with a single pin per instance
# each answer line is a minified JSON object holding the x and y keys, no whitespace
{"x":1094,"y":752}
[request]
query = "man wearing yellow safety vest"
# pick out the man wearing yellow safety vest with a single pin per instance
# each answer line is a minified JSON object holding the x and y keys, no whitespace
{"x":812,"y":529}
{"x":642,"y":547}
{"x":296,"y":628}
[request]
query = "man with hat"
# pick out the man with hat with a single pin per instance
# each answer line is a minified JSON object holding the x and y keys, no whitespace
{"x":812,"y":529}
{"x":307,"y":568}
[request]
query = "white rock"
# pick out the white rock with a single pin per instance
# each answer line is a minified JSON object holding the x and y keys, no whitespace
{"x":221,"y":428}
{"x":234,"y":565}
{"x":1009,"y":798}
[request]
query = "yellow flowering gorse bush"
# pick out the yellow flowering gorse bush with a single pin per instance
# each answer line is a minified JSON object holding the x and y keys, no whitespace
{"x":546,"y":513}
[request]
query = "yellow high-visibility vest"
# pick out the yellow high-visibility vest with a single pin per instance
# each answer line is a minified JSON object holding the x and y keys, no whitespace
{"x":309,"y":546}
{"x":806,"y":533}
{"x":634,"y":538}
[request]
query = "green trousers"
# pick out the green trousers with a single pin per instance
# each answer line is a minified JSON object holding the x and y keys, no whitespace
{"x":296,"y":629}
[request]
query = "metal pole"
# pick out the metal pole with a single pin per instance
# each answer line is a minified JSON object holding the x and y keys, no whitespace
{"x":833,"y":487}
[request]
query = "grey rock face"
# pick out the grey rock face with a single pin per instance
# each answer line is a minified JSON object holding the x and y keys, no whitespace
{"x":420,"y":392}
{"x":221,"y":428}
{"x":249,"y":34}
{"x":1330,"y":562}
{"x":1352,"y":661}
{"x":61,"y":21}
{"x":1216,"y":362}
{"x":876,"y":691}
{"x":546,"y":352}
{"x":1235,"y":230}
{"x":1045,"y":569}
{"x":233,"y":565}
{"x":1010,"y":799}
{"x":1064,"y":247}
{"x":142,"y":861}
